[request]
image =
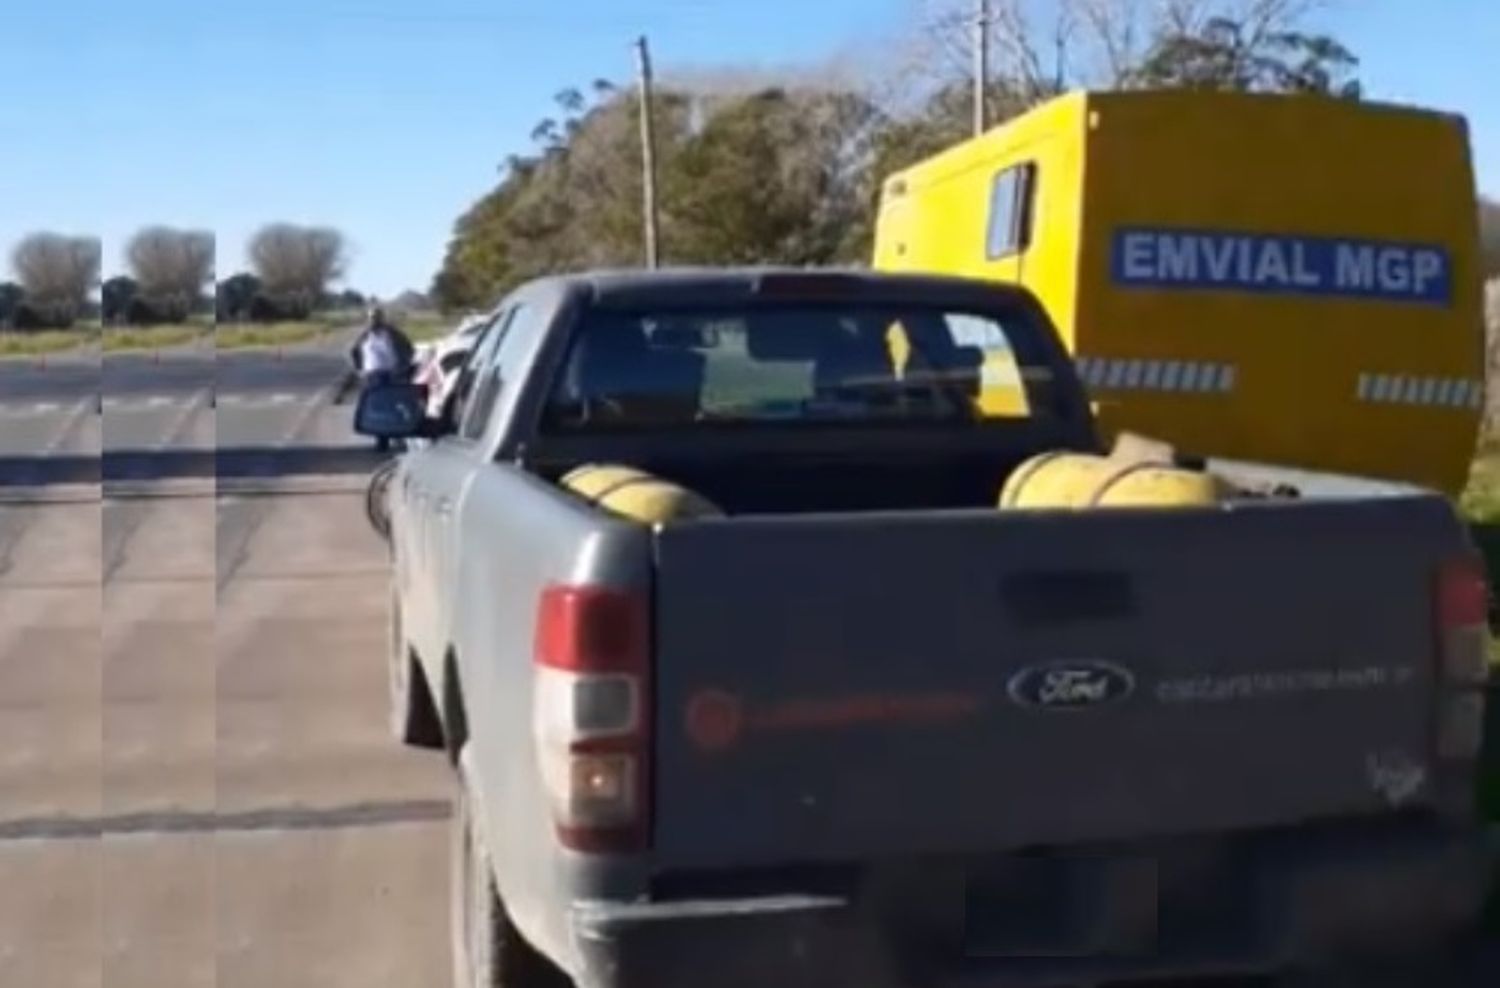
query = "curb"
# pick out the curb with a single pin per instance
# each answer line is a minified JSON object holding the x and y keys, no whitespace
{"x":188,"y":487}
{"x":305,"y":484}
{"x":51,"y":494}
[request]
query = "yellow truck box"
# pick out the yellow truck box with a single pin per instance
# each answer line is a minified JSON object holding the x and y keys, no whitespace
{"x":1291,"y":279}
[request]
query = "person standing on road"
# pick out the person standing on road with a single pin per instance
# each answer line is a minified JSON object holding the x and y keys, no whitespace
{"x":381,"y":354}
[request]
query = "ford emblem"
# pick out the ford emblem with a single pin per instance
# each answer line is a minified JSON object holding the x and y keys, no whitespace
{"x":1071,"y":685}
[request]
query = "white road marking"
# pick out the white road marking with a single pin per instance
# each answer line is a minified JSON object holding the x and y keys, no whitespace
{"x":180,"y":422}
{"x":140,"y":403}
{"x":309,"y":409}
{"x":258,"y":399}
{"x":16,"y":410}
{"x":80,"y":413}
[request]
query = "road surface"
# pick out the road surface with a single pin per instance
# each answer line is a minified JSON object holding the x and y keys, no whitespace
{"x":196,"y":408}
{"x":199,"y":789}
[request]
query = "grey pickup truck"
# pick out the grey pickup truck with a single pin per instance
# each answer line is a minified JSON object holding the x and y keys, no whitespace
{"x":756,"y":672}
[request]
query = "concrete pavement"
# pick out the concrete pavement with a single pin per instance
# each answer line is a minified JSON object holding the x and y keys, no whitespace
{"x":198,"y":786}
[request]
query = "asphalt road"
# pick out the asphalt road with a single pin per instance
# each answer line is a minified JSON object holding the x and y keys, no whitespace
{"x":199,"y":788}
{"x":63,"y":411}
{"x":58,"y":379}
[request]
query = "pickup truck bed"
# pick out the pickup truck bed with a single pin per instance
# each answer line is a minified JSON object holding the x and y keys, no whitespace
{"x":901,"y":737}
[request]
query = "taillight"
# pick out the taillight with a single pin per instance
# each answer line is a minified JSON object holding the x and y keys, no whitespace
{"x":1462,"y":607}
{"x":590,"y":716}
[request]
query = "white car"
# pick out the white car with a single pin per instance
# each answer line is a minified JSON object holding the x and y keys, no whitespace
{"x":423,"y":351}
{"x":439,"y":361}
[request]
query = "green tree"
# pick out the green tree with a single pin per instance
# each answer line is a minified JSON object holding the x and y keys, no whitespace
{"x":11,"y":297}
{"x":235,"y":297}
{"x":574,"y":202}
{"x":116,"y":295}
{"x":59,"y":273}
{"x":171,"y":269}
{"x":1489,"y":235}
{"x":793,"y":174}
{"x":1231,"y":54}
{"x":778,"y":177}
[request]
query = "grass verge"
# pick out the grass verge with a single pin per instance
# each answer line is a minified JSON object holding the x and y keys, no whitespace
{"x":247,"y":335}
{"x":118,"y":340}
{"x":33,"y":344}
{"x":425,"y":326}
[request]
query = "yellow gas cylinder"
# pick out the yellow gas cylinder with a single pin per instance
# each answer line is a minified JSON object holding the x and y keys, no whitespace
{"x":1150,"y":485}
{"x":638,"y":495}
{"x":592,"y":480}
{"x":1062,"y":479}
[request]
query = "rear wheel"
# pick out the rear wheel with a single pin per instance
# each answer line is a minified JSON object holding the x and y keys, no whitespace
{"x":488,"y":951}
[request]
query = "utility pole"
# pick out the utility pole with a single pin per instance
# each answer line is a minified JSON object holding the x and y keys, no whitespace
{"x":648,"y":151}
{"x":981,"y":61}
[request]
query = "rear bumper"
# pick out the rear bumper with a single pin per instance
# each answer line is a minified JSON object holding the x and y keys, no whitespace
{"x":1295,"y":900}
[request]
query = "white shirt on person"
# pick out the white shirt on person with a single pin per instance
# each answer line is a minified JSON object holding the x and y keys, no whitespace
{"x":377,"y":352}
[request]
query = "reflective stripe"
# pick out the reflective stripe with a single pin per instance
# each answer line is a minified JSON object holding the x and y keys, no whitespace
{"x":1149,"y":374}
{"x":1172,"y":376}
{"x":1437,"y":392}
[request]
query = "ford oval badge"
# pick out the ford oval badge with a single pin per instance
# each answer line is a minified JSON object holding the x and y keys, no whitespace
{"x":1071,"y":685}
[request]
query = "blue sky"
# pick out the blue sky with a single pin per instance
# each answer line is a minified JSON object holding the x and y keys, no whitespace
{"x":386,"y":118}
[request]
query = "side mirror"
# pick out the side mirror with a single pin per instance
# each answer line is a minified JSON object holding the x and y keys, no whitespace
{"x":391,"y":411}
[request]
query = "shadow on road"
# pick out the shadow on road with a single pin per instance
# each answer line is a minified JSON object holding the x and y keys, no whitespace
{"x":170,"y":464}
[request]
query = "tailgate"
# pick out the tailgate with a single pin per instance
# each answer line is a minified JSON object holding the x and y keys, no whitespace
{"x":840,"y":686}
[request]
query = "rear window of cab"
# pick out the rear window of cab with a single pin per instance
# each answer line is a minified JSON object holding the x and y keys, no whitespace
{"x":788,"y":364}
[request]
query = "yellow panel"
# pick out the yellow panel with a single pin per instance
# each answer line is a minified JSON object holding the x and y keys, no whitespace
{"x":1262,"y":209}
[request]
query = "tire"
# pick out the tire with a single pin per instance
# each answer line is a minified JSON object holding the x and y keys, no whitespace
{"x":377,"y":507}
{"x":413,"y":715}
{"x":488,"y":951}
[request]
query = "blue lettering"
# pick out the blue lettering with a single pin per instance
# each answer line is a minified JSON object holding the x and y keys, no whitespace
{"x":1138,"y":260}
{"x":1177,"y":259}
{"x":1302,"y":274}
{"x":1272,"y":267}
{"x":1330,"y":266}
{"x":1427,"y":266}
{"x":1356,"y":266}
{"x":1243,"y":252}
{"x":1220,"y":255}
{"x":1395,"y":270}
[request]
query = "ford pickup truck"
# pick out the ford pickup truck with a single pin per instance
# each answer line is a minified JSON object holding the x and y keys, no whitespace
{"x":757,"y":668}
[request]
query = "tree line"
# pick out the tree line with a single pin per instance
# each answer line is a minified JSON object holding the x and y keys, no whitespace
{"x":293,"y":271}
{"x":791,"y":173}
{"x":56,"y":274}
